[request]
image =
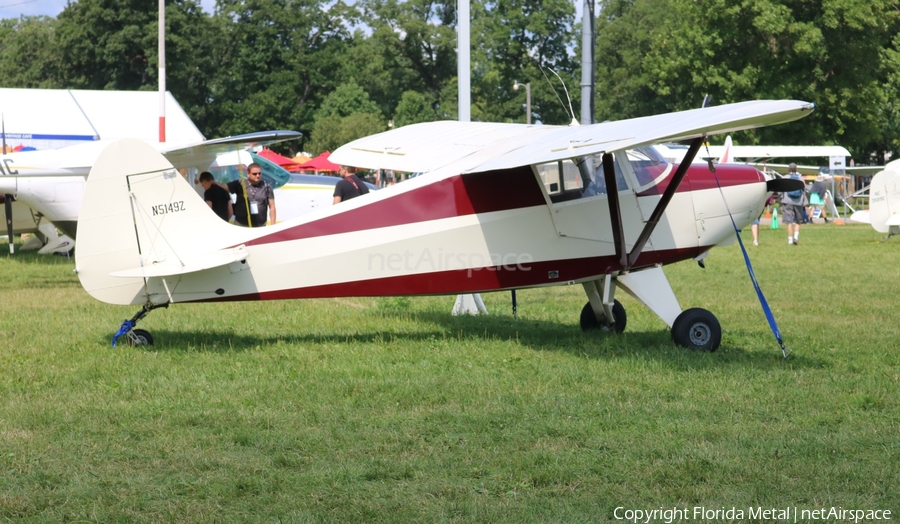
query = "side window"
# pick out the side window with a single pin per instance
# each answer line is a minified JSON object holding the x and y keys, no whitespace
{"x":550,"y":177}
{"x":570,"y":180}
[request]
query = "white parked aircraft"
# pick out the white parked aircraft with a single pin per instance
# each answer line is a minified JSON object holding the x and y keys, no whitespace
{"x":51,"y":182}
{"x":498,"y":207}
{"x":884,"y":201}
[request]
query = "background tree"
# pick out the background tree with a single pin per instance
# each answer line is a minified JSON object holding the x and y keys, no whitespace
{"x":413,"y":108}
{"x":666,"y":55}
{"x":113,"y":44}
{"x":277,"y":61}
{"x":29,"y":54}
{"x":346,"y":114}
{"x":412,"y":47}
{"x":521,"y":40}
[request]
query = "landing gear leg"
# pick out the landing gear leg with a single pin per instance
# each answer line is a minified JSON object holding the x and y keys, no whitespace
{"x":137,"y":337}
{"x":602,"y":310}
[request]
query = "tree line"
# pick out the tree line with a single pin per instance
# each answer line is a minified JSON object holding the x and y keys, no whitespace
{"x":337,"y":71}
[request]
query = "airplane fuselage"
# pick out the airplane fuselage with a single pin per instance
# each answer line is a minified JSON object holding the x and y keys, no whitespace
{"x":431,"y":235}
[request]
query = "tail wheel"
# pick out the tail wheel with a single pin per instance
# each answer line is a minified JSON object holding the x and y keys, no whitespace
{"x":697,"y":328}
{"x":589,"y":319}
{"x":140,"y":337}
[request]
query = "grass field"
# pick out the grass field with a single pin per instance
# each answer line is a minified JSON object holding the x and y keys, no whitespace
{"x":392,"y":410}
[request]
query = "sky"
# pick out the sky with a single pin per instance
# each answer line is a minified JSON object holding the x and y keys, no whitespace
{"x":15,"y":8}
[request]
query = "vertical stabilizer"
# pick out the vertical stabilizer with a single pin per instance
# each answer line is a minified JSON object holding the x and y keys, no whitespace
{"x":727,"y":156}
{"x":884,"y":200}
{"x":139,"y":212}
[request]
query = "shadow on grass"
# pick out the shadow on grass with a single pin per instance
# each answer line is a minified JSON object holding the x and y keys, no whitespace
{"x":569,"y":338}
{"x":537,"y":335}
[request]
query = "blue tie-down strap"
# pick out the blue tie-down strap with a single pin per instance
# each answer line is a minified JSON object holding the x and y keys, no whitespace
{"x":770,"y":317}
{"x":127,"y":326}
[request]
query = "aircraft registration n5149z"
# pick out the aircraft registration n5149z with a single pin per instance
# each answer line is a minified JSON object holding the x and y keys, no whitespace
{"x":498,"y":206}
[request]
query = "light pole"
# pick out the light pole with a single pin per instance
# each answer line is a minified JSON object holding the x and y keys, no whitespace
{"x":527,"y":85}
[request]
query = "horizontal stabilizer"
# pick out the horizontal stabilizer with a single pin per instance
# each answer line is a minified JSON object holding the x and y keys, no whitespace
{"x":894,"y":220}
{"x":178,"y":267}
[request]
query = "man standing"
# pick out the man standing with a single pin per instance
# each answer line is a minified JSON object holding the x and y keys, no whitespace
{"x":251,"y":210}
{"x":216,"y":196}
{"x":350,"y":186}
{"x":792,"y":204}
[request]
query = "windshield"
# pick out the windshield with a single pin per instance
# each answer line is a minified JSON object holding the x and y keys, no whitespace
{"x":648,"y":165}
{"x":272,"y":173}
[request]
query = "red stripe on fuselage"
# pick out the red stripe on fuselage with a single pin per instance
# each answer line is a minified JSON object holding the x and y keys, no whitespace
{"x":456,"y":196}
{"x":479,"y":193}
{"x":699,"y":177}
{"x":494,"y":278}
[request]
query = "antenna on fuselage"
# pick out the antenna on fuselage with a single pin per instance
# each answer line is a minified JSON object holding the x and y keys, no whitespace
{"x":570,"y":112}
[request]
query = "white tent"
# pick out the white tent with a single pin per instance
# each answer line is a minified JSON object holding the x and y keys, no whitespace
{"x":54,"y":118}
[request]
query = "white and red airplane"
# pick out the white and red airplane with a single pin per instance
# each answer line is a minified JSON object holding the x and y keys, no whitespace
{"x":498,"y":207}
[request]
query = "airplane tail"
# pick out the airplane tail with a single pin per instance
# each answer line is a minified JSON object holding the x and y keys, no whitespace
{"x":884,"y":200}
{"x":140,"y":219}
{"x":726,"y":157}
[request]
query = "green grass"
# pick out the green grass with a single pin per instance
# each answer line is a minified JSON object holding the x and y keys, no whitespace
{"x":392,"y":410}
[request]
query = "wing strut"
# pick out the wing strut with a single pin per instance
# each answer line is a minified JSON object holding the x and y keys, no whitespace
{"x":663,"y":202}
{"x":615,"y":212}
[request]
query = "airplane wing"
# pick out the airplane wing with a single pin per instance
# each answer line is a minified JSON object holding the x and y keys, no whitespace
{"x":817,"y":170}
{"x":477,"y":146}
{"x":754,"y":153}
{"x":203,"y":153}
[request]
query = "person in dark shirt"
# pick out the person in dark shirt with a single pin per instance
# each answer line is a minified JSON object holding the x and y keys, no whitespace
{"x":260,"y":199}
{"x":350,"y":186}
{"x":216,"y":197}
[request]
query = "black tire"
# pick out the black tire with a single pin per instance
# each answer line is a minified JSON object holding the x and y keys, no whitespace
{"x":589,"y":320}
{"x":697,"y":328}
{"x":140,"y":338}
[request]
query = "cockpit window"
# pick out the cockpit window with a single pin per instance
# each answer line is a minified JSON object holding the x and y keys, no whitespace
{"x":564,"y":180}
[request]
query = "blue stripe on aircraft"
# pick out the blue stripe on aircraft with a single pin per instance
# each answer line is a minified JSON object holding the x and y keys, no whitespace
{"x":35,"y":136}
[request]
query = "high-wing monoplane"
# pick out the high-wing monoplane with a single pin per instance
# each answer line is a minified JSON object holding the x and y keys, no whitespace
{"x":498,"y":207}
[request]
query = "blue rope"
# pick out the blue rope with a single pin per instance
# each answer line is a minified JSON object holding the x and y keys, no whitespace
{"x":126,"y":327}
{"x":762,"y":299}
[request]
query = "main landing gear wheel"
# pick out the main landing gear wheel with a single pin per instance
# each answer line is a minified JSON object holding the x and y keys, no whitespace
{"x":697,"y":328}
{"x":589,"y":319}
{"x":140,"y":337}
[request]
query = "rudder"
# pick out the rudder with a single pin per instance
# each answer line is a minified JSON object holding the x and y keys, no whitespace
{"x":138,"y":211}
